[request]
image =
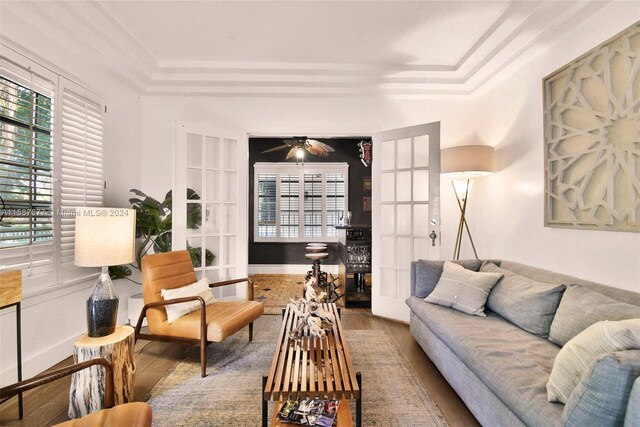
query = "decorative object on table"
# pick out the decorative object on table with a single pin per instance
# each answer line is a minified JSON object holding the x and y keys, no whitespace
{"x":11,"y":296}
{"x":310,"y":313}
{"x":354,"y":264}
{"x":299,"y":144}
{"x":592,"y":138}
{"x":88,"y":391}
{"x":104,"y":237}
{"x":366,"y":153}
{"x":463,"y":164}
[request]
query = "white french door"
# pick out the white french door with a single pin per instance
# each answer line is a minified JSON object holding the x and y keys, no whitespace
{"x":213,"y":163}
{"x":406,"y":212}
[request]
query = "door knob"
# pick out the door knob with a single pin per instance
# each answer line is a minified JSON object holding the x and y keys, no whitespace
{"x":433,"y":236}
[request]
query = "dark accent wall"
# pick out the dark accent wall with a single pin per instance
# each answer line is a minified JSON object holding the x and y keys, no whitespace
{"x":293,"y":253}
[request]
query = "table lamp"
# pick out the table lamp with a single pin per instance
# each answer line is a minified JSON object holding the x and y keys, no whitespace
{"x":104,"y":237}
{"x":463,"y":164}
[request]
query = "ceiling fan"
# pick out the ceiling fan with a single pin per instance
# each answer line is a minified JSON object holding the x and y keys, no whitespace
{"x":298,"y":144}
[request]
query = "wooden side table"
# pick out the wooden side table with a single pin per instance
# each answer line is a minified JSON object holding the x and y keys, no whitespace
{"x":87,"y":386}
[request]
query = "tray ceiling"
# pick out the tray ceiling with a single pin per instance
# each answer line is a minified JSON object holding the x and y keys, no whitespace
{"x":309,"y":48}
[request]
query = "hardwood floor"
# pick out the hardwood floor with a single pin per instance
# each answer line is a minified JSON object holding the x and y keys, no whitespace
{"x":48,"y":404}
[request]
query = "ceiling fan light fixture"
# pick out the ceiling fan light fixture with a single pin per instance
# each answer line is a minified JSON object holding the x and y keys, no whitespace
{"x":300,"y":155}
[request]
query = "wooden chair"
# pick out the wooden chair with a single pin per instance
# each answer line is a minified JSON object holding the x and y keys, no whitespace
{"x":136,"y":414}
{"x":209,"y":324}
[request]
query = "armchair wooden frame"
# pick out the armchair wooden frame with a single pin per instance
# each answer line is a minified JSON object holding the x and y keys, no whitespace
{"x":38,"y":380}
{"x":202,"y":342}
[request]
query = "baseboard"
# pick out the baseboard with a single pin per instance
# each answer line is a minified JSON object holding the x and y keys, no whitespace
{"x":40,"y":361}
{"x":288,"y":268}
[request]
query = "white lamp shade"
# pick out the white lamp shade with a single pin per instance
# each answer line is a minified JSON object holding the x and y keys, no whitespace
{"x":104,"y":236}
{"x":467,"y":161}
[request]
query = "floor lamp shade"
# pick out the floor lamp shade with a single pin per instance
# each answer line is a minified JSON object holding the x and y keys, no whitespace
{"x":463,"y":164}
{"x":467,"y":161}
{"x":104,"y":237}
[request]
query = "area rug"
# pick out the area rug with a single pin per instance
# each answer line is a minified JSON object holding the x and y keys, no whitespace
{"x":230,"y":394}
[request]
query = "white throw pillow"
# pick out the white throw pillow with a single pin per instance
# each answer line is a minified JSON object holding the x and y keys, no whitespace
{"x":175,"y":311}
{"x":462,"y":289}
{"x":580,"y":352}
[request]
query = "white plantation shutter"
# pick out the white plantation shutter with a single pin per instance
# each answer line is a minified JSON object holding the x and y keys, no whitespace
{"x":26,"y":145}
{"x":81,"y":160}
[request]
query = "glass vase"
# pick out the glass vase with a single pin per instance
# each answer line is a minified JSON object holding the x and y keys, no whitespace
{"x":102,"y":307}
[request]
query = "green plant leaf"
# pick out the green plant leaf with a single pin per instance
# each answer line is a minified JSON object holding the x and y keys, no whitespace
{"x":119,"y":272}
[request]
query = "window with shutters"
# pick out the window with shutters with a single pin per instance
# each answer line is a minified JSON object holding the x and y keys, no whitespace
{"x":299,"y":203}
{"x":50,"y":163}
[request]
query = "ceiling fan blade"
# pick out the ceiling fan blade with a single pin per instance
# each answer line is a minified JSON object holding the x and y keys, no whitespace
{"x":292,"y":153}
{"x":316,"y":143}
{"x":316,"y":151}
{"x":279,"y":147}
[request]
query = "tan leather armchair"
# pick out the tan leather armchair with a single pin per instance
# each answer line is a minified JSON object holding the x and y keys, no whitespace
{"x":209,"y":324}
{"x":135,"y":414}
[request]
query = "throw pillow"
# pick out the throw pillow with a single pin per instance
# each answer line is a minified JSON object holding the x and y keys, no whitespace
{"x":426,"y":273}
{"x":633,"y":406}
{"x":526,"y":303}
{"x":600,"y":399}
{"x":175,"y":311}
{"x":581,"y":307}
{"x":575,"y":357}
{"x":463,"y":289}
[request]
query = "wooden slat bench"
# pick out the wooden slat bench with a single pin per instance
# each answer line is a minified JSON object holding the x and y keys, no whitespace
{"x":312,"y":367}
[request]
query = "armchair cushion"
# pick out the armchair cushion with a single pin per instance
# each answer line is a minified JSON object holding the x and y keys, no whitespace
{"x":224,"y":318}
{"x":200,"y":288}
{"x":136,"y":414}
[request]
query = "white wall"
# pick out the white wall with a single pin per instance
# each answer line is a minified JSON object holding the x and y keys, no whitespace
{"x":53,"y":320}
{"x":506,"y":212}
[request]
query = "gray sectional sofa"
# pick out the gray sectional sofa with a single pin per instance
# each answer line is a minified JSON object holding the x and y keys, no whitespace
{"x":498,"y":369}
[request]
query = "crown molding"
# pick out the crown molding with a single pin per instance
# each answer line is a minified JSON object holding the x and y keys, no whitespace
{"x":510,"y":40}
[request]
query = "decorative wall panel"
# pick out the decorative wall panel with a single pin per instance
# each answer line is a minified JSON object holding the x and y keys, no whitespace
{"x":592,"y":138}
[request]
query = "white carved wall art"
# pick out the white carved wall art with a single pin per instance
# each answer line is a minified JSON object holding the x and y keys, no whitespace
{"x":592,"y":138}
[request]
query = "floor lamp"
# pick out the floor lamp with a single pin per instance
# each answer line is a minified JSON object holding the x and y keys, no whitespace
{"x":464,"y":164}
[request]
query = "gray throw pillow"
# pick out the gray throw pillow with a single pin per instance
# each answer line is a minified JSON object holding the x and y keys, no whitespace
{"x":581,"y":307}
{"x":426,"y":274}
{"x":600,"y":399}
{"x":463,"y":289}
{"x":524,"y":302}
{"x":633,"y":406}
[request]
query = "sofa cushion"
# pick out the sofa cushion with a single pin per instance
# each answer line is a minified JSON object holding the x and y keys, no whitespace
{"x":633,"y":406}
{"x":426,"y":273}
{"x":603,"y":392}
{"x":581,"y":307}
{"x":463,"y":289}
{"x":527,"y":303}
{"x":513,"y":363}
{"x":581,"y":351}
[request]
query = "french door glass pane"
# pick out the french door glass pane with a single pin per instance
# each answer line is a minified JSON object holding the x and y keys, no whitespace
{"x":403,"y":186}
{"x":388,"y":155}
{"x":230,"y":219}
{"x":421,"y":151}
{"x":388,"y":187}
{"x":211,"y":218}
{"x":194,"y":180}
{"x":388,"y":219}
{"x":230,"y":150}
{"x":421,"y":186}
{"x":212,"y":152}
{"x":194,"y":150}
{"x":212,"y":184}
{"x":229,"y":187}
{"x":403,"y":219}
{"x":404,"y":153}
{"x":388,"y":282}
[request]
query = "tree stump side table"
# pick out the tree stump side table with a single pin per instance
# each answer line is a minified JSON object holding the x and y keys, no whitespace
{"x":88,"y":386}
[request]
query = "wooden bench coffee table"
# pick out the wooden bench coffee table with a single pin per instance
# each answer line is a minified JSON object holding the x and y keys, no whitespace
{"x":312,"y":367}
